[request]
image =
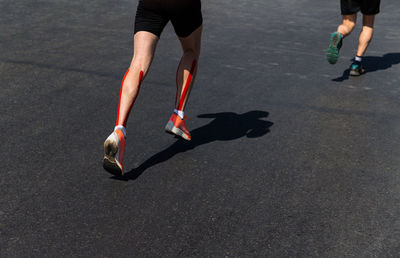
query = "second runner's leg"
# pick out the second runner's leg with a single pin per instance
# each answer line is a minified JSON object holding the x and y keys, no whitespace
{"x":114,"y":146}
{"x":356,"y":68}
{"x":185,"y":75}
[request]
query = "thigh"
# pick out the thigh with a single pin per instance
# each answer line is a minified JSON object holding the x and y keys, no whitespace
{"x":150,"y":17}
{"x":349,"y":6}
{"x":186,"y":16}
{"x":370,"y":7}
{"x":349,"y":19}
{"x":143,"y":52}
{"x":193,"y":41}
{"x":368,"y":20}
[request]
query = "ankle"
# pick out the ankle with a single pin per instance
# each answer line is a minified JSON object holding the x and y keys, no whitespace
{"x":122,"y":128}
{"x":180,"y":113}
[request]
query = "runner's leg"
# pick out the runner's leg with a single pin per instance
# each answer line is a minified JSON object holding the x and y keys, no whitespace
{"x":348,"y":24}
{"x":114,"y":146}
{"x":144,"y":48}
{"x":356,"y":68}
{"x":187,"y":68}
{"x":366,"y":34}
{"x":184,"y":81}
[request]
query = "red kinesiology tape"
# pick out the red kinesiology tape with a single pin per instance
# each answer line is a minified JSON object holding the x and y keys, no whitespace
{"x":134,"y":98}
{"x":187,"y":85}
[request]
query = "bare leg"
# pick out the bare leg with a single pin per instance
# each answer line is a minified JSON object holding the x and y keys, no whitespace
{"x":344,"y":29}
{"x":366,"y":34}
{"x":144,"y":47}
{"x":185,"y":75}
{"x":114,"y":146}
{"x":187,"y":67}
{"x":348,"y":24}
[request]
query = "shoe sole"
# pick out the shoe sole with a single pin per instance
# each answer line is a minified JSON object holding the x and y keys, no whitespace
{"x":355,"y":73}
{"x":332,"y":54}
{"x":171,"y":129}
{"x":109,"y":162}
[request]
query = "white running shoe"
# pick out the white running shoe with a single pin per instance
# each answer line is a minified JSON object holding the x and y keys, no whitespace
{"x":114,"y":150}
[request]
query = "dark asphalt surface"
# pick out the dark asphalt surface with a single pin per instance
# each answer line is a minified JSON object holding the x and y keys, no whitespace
{"x":290,"y":157}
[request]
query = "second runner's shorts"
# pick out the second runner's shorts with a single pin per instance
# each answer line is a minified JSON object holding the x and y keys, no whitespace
{"x":367,"y":7}
{"x":153,"y":15}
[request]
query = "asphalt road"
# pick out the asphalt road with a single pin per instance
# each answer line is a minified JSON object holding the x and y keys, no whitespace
{"x":290,"y":157}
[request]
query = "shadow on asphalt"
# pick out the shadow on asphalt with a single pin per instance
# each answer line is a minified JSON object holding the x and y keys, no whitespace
{"x":373,"y":64}
{"x":226,"y":126}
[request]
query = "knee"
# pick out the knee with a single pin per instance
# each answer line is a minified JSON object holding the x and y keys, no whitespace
{"x":140,"y":65}
{"x":350,"y":25}
{"x":191,"y":53}
{"x":366,"y":34}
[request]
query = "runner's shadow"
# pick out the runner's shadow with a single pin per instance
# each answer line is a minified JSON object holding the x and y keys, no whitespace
{"x":226,"y":126}
{"x":345,"y":76}
{"x":373,"y":64}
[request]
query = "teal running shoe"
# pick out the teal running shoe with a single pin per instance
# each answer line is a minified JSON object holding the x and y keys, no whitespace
{"x":356,"y":69}
{"x":332,"y":54}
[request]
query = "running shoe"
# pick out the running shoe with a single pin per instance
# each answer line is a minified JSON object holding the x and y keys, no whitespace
{"x":332,"y":53}
{"x":114,"y":150}
{"x":356,"y":69}
{"x":177,"y":126}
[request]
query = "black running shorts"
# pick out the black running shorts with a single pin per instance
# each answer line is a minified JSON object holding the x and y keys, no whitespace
{"x":153,"y":15}
{"x":367,"y":7}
